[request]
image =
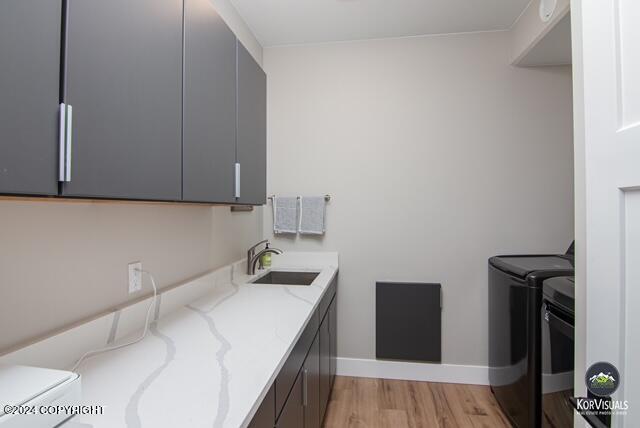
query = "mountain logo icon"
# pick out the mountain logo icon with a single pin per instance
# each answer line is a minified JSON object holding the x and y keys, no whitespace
{"x":602,"y":379}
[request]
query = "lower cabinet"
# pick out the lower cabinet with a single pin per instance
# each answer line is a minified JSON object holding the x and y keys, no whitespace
{"x":292,"y":415}
{"x":311,"y":386}
{"x":325,"y":364}
{"x":333,"y":341}
{"x":266,"y":413}
{"x":300,"y":394}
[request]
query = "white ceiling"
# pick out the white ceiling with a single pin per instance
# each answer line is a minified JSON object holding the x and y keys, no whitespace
{"x":280,"y":22}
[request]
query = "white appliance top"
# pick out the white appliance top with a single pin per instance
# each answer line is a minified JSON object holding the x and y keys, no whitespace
{"x":20,"y":384}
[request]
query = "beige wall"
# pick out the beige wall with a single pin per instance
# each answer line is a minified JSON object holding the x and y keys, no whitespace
{"x":437,"y":153}
{"x":61,"y":262}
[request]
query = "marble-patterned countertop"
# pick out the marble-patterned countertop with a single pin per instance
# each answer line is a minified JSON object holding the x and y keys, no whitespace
{"x":208,"y":363}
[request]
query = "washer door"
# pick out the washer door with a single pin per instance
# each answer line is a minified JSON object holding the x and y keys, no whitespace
{"x":557,"y":366}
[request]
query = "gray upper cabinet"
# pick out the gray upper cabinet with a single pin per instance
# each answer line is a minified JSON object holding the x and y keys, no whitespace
{"x":129,"y":99}
{"x":251,"y":142}
{"x":30,"y":88}
{"x":209,"y":136}
{"x":123,"y":78}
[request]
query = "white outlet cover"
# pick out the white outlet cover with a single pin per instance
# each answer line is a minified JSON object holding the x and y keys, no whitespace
{"x":135,"y":277}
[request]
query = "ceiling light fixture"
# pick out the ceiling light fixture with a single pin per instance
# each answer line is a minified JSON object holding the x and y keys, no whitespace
{"x":547,"y":7}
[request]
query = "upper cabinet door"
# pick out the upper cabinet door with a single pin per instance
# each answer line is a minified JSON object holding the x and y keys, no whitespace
{"x":123,"y":79}
{"x":209,"y":139}
{"x":30,"y":88}
{"x":252,"y":130}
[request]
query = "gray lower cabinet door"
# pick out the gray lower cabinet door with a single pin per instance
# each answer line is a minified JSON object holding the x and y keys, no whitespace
{"x":265,"y":417}
{"x":312,"y":417}
{"x":289,"y":372}
{"x":325,"y":364}
{"x":292,"y":415}
{"x":251,"y":143}
{"x":124,"y":81}
{"x":333,"y":344}
{"x":209,"y":138}
{"x":30,"y":88}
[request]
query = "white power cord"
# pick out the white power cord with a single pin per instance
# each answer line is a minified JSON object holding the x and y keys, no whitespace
{"x":124,"y":345}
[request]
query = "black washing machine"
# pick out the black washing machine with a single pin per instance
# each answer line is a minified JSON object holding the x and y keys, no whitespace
{"x":515,"y":305}
{"x":558,"y":321}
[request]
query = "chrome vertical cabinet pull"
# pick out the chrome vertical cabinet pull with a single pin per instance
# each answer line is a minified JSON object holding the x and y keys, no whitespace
{"x":305,"y":387}
{"x":69,"y":143}
{"x":237,"y":189}
{"x":62,"y":145}
{"x":65,"y":143}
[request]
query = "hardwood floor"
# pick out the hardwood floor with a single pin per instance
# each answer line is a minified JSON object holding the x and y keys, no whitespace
{"x":382,"y":403}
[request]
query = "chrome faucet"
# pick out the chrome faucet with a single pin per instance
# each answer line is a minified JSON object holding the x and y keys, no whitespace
{"x":253,"y":258}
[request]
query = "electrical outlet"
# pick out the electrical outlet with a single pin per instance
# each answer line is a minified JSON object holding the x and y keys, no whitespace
{"x":135,"y":277}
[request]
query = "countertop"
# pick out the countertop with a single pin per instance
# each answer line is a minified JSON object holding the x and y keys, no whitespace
{"x":208,"y":363}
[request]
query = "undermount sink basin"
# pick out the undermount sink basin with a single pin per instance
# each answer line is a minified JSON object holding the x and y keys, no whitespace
{"x":287,"y":278}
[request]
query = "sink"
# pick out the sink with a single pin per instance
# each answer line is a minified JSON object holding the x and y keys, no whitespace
{"x":287,"y":278}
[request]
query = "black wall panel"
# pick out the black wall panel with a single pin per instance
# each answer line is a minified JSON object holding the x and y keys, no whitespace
{"x":408,"y":321}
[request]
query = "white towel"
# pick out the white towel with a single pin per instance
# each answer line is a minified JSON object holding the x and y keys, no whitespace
{"x":285,"y":214}
{"x":312,"y":215}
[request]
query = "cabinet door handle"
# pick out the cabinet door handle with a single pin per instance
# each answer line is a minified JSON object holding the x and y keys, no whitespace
{"x":62,"y":145}
{"x":305,"y":387}
{"x":237,"y":190}
{"x":69,"y":143}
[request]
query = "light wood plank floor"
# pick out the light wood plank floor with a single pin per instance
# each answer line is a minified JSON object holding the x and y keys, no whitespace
{"x":382,"y":403}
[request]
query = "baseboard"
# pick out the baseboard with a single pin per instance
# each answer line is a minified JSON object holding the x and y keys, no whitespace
{"x":445,"y":373}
